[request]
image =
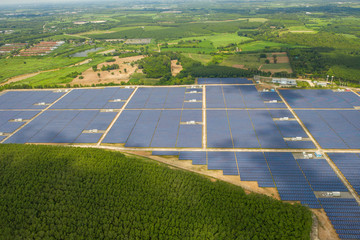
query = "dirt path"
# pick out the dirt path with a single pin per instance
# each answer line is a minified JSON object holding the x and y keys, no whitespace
{"x":122,"y":74}
{"x":175,"y":68}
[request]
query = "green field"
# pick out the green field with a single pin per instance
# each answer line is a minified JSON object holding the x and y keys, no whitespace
{"x":251,"y":60}
{"x":22,"y":65}
{"x":220,"y":40}
{"x":50,"y":192}
{"x":273,"y":66}
{"x":203,"y":58}
{"x":60,"y":76}
{"x":262,"y":45}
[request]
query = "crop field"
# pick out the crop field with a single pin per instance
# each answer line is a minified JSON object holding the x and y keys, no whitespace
{"x":223,"y":124}
{"x":23,"y":65}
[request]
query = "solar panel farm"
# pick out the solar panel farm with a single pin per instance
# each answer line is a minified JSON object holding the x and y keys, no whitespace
{"x":304,"y":144}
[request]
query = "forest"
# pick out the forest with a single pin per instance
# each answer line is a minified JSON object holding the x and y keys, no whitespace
{"x":52,"y":192}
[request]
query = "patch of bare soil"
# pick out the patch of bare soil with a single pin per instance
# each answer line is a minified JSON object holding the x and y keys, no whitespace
{"x":326,"y":230}
{"x":175,"y":68}
{"x":122,"y":74}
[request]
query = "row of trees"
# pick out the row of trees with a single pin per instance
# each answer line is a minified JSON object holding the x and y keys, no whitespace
{"x":52,"y":192}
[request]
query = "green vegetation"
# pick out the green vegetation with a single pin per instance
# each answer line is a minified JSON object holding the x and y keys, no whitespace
{"x":23,"y":65}
{"x":52,"y":192}
{"x":156,"y":66}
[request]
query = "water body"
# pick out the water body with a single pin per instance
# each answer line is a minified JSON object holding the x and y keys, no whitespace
{"x":85,"y":53}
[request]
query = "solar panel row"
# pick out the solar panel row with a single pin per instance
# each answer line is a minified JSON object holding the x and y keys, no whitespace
{"x":106,"y":98}
{"x":344,"y":214}
{"x":339,"y":129}
{"x":28,"y":99}
{"x":319,"y":99}
{"x":349,"y":165}
{"x":223,"y":161}
{"x":12,"y":120}
{"x":63,"y":127}
{"x":198,"y":158}
{"x":321,"y":176}
{"x":157,"y":128}
{"x":289,"y":179}
{"x":164,"y":97}
{"x":224,"y":81}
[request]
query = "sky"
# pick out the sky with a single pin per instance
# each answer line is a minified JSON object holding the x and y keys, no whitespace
{"x":37,"y":1}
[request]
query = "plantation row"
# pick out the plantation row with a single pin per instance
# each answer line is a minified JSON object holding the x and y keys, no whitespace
{"x":73,"y":193}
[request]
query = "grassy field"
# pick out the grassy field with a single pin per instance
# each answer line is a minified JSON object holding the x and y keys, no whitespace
{"x":203,"y":58}
{"x":50,"y":192}
{"x":276,"y":66}
{"x":60,"y":76}
{"x":22,"y":65}
{"x":262,"y":45}
{"x":140,"y":78}
{"x":220,"y":40}
{"x":251,"y":60}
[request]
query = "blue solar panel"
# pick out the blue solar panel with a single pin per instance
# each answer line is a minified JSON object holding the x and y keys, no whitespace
{"x":198,"y":158}
{"x":321,"y":176}
{"x":223,"y":161}
{"x":301,"y":144}
{"x":349,"y":165}
{"x":157,"y":98}
{"x":140,"y":98}
{"x":281,"y":113}
{"x":123,"y":126}
{"x":88,"y":138}
{"x":242,"y":130}
{"x":291,"y":129}
{"x":253,"y":167}
{"x":332,"y":128}
{"x":223,"y":81}
{"x":289,"y":179}
{"x":233,"y":97}
{"x":344,"y":214}
{"x":252,"y":97}
{"x":28,"y":99}
{"x":266,"y":130}
{"x":165,"y":153}
{"x":193,"y":105}
{"x":144,"y":129}
{"x":269,"y":96}
{"x":94,"y":98}
{"x":7,"y":125}
{"x":314,"y":99}
{"x":214,"y":97}
{"x":218,"y":132}
{"x":196,"y":96}
{"x":191,"y":115}
{"x":167,"y":129}
{"x":190,"y":136}
{"x":350,"y":98}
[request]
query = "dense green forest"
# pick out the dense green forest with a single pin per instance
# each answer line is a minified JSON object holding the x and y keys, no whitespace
{"x":52,"y":192}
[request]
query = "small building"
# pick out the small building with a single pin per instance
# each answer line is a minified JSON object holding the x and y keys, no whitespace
{"x":285,"y":81}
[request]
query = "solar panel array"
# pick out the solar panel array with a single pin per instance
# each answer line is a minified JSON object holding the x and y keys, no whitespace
{"x":223,"y":81}
{"x":349,"y":165}
{"x":333,"y":129}
{"x":344,"y":215}
{"x":12,"y":120}
{"x":319,"y":99}
{"x":157,"y":128}
{"x":28,"y":99}
{"x":64,"y":127}
{"x":240,"y":97}
{"x":107,"y":98}
{"x":251,"y":129}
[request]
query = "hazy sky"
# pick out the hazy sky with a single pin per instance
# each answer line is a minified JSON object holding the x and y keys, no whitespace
{"x":37,"y":1}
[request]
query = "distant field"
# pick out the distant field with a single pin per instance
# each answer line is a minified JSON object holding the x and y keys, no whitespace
{"x":247,"y":60}
{"x":22,"y":65}
{"x":203,"y":58}
{"x":189,"y":50}
{"x":61,"y":76}
{"x":220,"y":40}
{"x":262,"y":45}
{"x":273,"y":66}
